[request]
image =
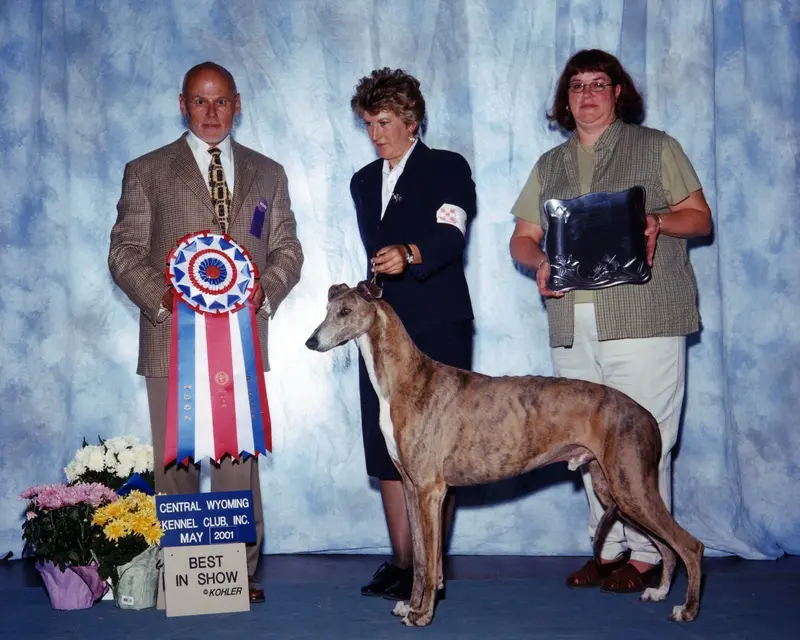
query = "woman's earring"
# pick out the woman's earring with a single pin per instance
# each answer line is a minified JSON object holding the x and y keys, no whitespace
{"x":411,"y":138}
{"x":567,"y":107}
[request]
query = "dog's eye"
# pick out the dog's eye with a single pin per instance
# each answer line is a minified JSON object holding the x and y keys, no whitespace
{"x":344,"y":311}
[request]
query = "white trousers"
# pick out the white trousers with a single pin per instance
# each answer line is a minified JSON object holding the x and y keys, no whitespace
{"x":652,"y":371}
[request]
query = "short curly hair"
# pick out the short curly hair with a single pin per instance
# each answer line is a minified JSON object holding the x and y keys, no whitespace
{"x":629,"y":106}
{"x":390,"y":90}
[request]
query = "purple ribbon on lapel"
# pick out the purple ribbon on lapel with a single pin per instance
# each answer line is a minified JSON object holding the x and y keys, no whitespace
{"x":257,"y":225}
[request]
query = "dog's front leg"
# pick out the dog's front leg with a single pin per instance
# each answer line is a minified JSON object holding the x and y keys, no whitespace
{"x":426,"y":563}
{"x":401,"y":609}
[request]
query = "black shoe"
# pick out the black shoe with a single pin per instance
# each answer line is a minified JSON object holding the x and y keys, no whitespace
{"x":386,"y":576}
{"x":401,"y":589}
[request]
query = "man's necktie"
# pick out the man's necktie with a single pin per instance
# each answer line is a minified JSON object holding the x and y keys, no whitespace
{"x":220,"y":195}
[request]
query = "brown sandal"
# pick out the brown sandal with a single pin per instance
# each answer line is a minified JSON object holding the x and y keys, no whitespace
{"x":627,"y":579}
{"x":593,"y":573}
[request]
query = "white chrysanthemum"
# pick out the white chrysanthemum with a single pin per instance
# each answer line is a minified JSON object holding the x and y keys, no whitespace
{"x":116,"y":444}
{"x":82,"y":455}
{"x":126,"y":460}
{"x":96,"y":459}
{"x":109,"y":460}
{"x":74,"y":470}
{"x":144,"y":459}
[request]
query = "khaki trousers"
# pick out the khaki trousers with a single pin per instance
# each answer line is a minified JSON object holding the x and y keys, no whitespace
{"x":652,"y":371}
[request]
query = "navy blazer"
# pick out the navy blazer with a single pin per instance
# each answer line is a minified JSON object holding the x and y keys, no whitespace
{"x":434,"y":292}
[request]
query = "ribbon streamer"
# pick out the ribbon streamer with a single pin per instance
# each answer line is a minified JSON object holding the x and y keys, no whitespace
{"x":217,"y":402}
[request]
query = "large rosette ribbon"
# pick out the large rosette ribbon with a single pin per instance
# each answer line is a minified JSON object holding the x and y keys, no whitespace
{"x":217,"y":400}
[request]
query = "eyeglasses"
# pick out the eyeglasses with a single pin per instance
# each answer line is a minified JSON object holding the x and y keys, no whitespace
{"x":204,"y":103}
{"x":594,"y":87}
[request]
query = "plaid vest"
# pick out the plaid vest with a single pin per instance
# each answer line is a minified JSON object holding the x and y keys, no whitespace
{"x":625,"y":155}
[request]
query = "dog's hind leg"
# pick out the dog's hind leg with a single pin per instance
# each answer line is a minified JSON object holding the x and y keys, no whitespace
{"x":635,"y":490}
{"x":668,"y":560}
{"x":600,"y":486}
{"x":430,"y":498}
{"x":668,"y":556}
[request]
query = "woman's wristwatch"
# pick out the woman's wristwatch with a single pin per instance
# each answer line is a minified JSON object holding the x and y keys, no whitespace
{"x":409,"y":255}
{"x":659,"y":220}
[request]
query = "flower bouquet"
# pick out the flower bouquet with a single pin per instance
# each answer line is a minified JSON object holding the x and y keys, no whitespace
{"x":127,"y":549}
{"x":112,"y":462}
{"x":58,"y":530}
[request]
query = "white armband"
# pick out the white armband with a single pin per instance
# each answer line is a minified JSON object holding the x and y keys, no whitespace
{"x":453,"y":214}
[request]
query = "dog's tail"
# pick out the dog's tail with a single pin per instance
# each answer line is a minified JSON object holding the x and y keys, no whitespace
{"x":611,"y":512}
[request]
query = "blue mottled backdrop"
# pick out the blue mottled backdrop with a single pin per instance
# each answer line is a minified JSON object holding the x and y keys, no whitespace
{"x":87,"y":86}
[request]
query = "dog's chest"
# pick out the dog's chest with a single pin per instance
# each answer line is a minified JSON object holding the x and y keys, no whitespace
{"x":385,"y":417}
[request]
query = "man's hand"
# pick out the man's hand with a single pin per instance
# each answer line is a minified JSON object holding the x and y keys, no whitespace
{"x":651,"y":233}
{"x":390,"y":260}
{"x":257,"y":296}
{"x":166,"y":299}
{"x":542,"y":275}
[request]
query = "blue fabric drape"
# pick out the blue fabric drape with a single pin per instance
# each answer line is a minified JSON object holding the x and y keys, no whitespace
{"x":86,"y":86}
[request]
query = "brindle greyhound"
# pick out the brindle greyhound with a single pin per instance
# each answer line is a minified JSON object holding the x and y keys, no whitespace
{"x":449,"y":427}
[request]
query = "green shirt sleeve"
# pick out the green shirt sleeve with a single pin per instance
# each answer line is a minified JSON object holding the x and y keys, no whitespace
{"x":527,"y":204}
{"x":678,"y":176}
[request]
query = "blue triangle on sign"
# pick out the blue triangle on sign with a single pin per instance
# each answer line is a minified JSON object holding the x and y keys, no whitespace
{"x":192,"y":246}
{"x":181,"y":258}
{"x":179,"y":275}
{"x":224,"y":244}
{"x":199,"y":299}
{"x":246,"y":270}
{"x":216,"y":305}
{"x":186,"y":290}
{"x":232,"y":299}
{"x":206,"y":241}
{"x":243,"y":286}
{"x":238,"y":255}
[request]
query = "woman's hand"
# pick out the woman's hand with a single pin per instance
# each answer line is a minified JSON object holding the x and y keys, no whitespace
{"x":524,"y":247}
{"x":542,"y":276}
{"x":390,"y":260}
{"x":651,"y":235}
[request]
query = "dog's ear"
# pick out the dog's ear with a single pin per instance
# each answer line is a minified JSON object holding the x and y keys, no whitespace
{"x":369,"y":290}
{"x":335,"y":290}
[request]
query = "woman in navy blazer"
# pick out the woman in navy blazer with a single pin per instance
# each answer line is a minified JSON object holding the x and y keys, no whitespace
{"x":413,"y":207}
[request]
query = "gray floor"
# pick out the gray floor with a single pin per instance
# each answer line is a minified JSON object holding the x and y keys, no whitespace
{"x":316,"y":596}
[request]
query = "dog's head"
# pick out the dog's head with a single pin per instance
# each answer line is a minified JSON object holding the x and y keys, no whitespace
{"x":350,"y":314}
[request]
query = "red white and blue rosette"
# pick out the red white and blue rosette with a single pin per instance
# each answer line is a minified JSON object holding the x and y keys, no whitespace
{"x":217,"y":402}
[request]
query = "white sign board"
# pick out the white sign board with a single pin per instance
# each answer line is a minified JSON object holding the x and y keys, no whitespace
{"x":205,"y":579}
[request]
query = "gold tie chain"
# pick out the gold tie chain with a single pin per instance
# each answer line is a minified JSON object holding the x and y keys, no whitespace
{"x":220,"y":195}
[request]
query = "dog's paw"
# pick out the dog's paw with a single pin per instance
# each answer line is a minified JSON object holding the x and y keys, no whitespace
{"x":682,"y":614}
{"x":417,"y":619}
{"x":401,"y":609}
{"x":653,"y":594}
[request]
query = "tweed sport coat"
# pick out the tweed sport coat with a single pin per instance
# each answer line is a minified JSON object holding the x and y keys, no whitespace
{"x":165,"y":197}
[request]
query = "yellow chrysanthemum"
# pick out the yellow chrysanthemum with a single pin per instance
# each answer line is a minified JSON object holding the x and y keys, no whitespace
{"x":140,"y":524}
{"x":115,"y":530}
{"x":153,"y":535}
{"x":100,"y":517}
{"x":113,"y":509}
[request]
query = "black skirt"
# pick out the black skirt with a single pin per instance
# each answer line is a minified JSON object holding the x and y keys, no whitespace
{"x":449,"y":344}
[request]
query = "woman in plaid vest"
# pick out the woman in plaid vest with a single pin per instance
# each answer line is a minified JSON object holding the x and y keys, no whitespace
{"x":631,"y":337}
